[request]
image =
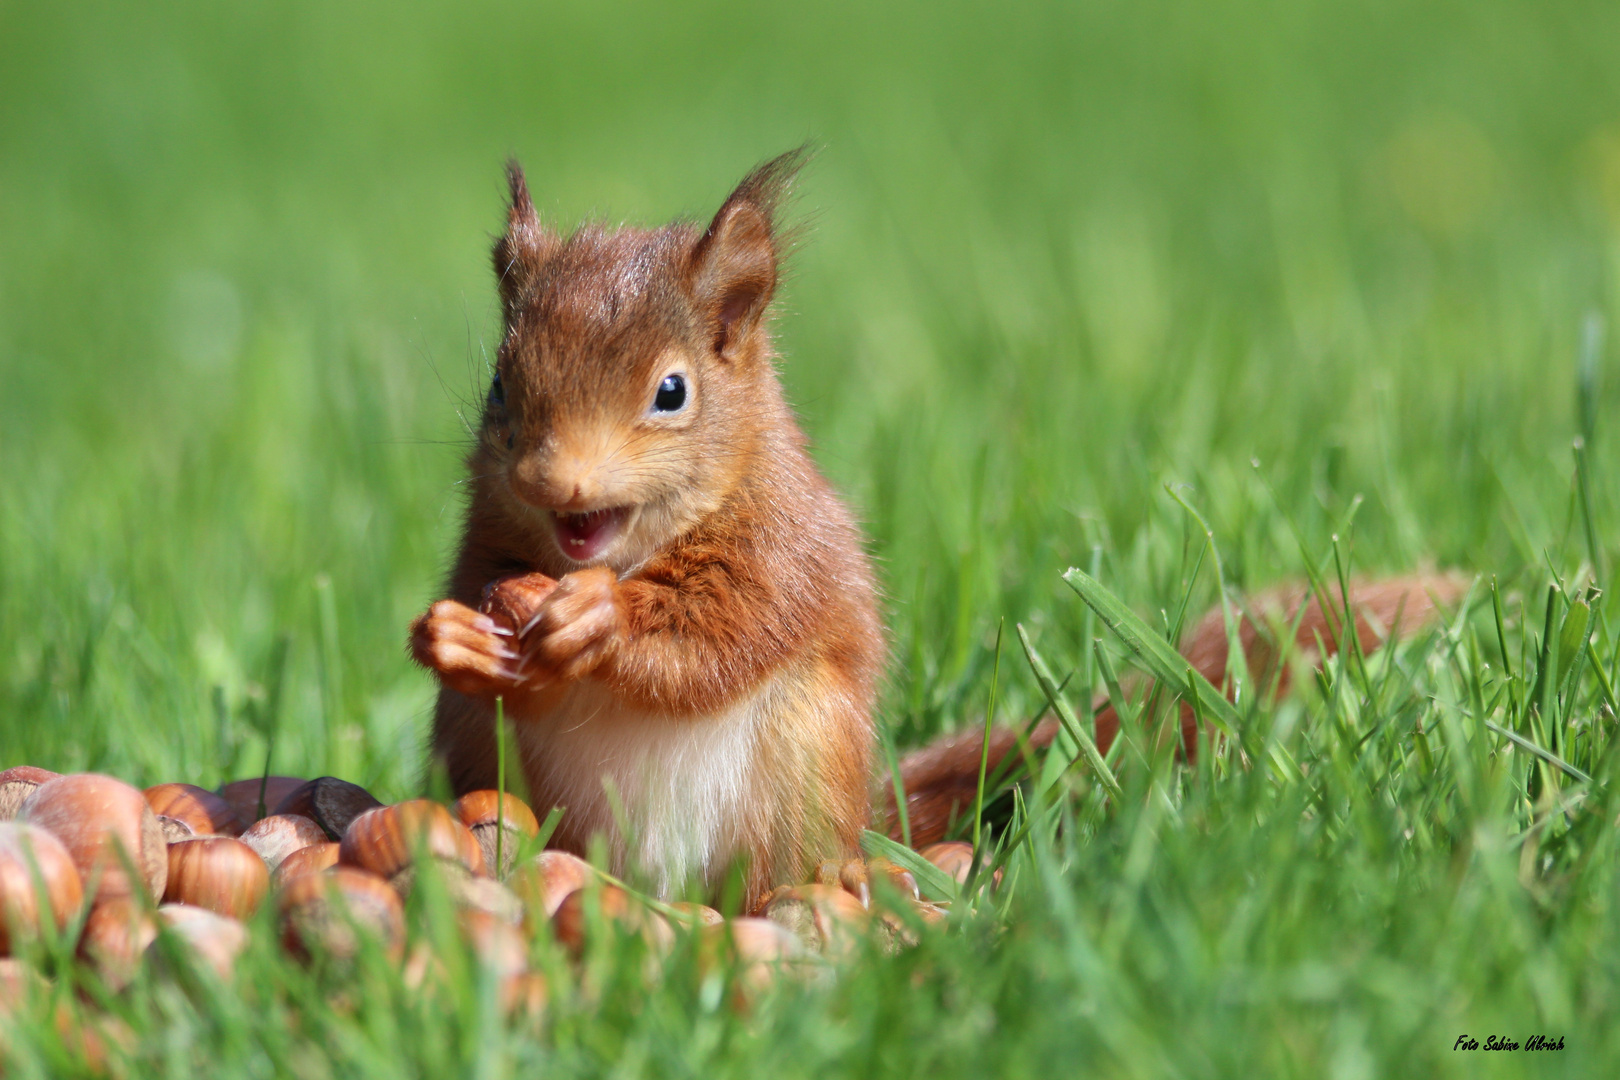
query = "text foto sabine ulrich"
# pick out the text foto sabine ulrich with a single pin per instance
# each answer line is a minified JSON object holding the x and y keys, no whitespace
{"x":1493,"y":1042}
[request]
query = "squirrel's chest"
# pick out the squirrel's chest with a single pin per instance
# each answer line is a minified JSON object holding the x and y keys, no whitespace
{"x":675,"y":797}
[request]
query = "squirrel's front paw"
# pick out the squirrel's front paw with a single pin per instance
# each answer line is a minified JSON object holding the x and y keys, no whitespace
{"x":468,"y":650}
{"x":577,"y":624}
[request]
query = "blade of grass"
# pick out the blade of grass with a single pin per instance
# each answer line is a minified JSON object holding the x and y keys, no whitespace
{"x":1088,"y":748}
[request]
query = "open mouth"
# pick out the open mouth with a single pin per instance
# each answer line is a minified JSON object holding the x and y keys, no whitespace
{"x":584,"y":536}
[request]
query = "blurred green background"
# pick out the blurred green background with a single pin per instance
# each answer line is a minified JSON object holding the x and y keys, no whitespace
{"x":1059,"y":255}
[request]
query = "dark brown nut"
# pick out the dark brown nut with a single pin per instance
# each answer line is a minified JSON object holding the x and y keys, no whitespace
{"x":387,"y":839}
{"x":214,"y":939}
{"x":514,"y":601}
{"x":825,"y":918}
{"x":108,"y":830}
{"x":545,"y":880}
{"x":219,"y":873}
{"x":699,"y":914}
{"x":306,"y":860}
{"x":476,"y":810}
{"x":16,"y":784}
{"x":279,"y":835}
{"x":115,"y":938}
{"x":573,"y":919}
{"x":26,"y":851}
{"x":325,"y":914}
{"x":206,"y":813}
{"x":243,"y":795}
{"x":331,"y":803}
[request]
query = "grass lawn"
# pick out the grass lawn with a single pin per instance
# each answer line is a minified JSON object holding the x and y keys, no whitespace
{"x":1334,"y":276}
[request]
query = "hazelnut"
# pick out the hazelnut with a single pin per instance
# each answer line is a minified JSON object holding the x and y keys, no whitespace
{"x":760,"y":949}
{"x":279,"y":835}
{"x":386,"y":841}
{"x":486,"y":895}
{"x":325,"y":914}
{"x":214,"y":939}
{"x":895,"y":877}
{"x":27,"y":850}
{"x":174,"y":830}
{"x":495,"y":942}
{"x":219,"y":873}
{"x":306,"y":860}
{"x":16,"y":784}
{"x":206,"y":813}
{"x":545,"y":880}
{"x":107,"y":828}
{"x":701,"y":914}
{"x":513,"y":601}
{"x":19,"y":983}
{"x":331,"y":803}
{"x":476,"y":810}
{"x":825,"y":918}
{"x":116,"y":936}
{"x":243,"y":795}
{"x":525,"y":995}
{"x":574,"y":916}
{"x":955,"y":858}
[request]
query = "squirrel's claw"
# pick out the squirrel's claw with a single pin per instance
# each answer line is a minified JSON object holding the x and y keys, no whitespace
{"x":466,"y":650}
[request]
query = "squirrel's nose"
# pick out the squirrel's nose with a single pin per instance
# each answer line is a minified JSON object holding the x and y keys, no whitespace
{"x":565,"y":483}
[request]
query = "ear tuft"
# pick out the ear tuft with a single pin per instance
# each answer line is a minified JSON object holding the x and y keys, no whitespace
{"x":733,"y":268}
{"x":525,"y":247}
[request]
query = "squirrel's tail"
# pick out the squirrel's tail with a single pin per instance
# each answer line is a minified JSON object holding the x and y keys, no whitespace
{"x":940,"y":780}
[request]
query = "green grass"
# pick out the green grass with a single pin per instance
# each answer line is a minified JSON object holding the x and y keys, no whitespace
{"x":1321,"y":268}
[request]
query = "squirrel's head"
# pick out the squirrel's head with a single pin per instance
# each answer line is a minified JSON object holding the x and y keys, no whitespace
{"x":634,"y":380}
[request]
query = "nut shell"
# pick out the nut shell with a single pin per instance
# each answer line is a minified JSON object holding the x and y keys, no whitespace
{"x":513,"y":601}
{"x":279,"y":835}
{"x":546,"y":880}
{"x":16,"y":784}
{"x":214,"y":939}
{"x":326,"y":914}
{"x":27,"y":850}
{"x":477,"y":811}
{"x":243,"y":795}
{"x":825,"y":918}
{"x":306,"y":860}
{"x":219,"y":873}
{"x":115,"y":937}
{"x":701,"y":914}
{"x":572,"y":922}
{"x":206,"y":813}
{"x":107,"y":828}
{"x":386,"y":840}
{"x":954,"y":857}
{"x":331,"y":803}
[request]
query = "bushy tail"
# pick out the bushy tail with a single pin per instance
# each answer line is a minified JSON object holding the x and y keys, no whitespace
{"x":941,"y":780}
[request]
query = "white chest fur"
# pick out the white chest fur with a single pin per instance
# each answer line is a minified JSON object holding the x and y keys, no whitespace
{"x":683,"y":785}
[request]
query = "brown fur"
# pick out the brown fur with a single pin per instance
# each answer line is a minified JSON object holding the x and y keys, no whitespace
{"x":941,"y":780}
{"x":736,"y":591}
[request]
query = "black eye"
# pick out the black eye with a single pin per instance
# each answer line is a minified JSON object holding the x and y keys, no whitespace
{"x":497,"y":393}
{"x":671,"y":394}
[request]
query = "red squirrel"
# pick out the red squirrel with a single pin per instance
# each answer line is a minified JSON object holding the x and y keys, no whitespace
{"x":700,"y":641}
{"x":673,"y":604}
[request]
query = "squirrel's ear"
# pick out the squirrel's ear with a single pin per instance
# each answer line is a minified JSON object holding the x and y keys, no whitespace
{"x":524,"y":248}
{"x":733,"y":268}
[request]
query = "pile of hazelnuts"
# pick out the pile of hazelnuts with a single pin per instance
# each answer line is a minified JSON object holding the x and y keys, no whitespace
{"x":90,"y":854}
